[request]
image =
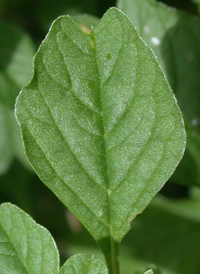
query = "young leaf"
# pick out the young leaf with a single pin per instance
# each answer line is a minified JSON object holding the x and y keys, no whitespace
{"x":175,"y":39}
{"x":25,"y":247}
{"x":81,"y":264}
{"x":100,"y":125}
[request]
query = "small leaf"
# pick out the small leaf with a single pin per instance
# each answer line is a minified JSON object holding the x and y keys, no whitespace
{"x":175,"y":39}
{"x":100,"y":125}
{"x":25,"y":247}
{"x":81,"y":264}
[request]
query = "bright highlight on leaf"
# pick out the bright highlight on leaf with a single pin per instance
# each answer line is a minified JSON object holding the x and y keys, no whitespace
{"x":25,"y":247}
{"x":100,"y":125}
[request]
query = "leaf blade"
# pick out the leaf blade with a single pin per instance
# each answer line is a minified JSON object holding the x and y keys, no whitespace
{"x":26,"y":247}
{"x":81,"y":264}
{"x":93,"y":129}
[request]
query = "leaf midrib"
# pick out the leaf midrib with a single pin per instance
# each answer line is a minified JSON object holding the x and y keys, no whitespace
{"x":112,"y":244}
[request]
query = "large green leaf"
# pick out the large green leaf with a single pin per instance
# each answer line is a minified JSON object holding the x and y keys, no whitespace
{"x":16,"y":53}
{"x":100,"y":125}
{"x":175,"y":38}
{"x":25,"y":247}
{"x":81,"y":264}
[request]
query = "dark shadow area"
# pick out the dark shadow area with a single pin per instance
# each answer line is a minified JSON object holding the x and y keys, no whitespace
{"x":165,"y":239}
{"x":37,"y":16}
{"x":10,"y":38}
{"x":174,"y":191}
{"x":185,"y":5}
{"x":180,"y":49}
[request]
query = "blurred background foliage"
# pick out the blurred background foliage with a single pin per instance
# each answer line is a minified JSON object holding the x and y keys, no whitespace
{"x":166,"y":236}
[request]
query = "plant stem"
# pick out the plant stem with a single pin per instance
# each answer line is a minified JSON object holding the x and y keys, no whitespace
{"x":114,"y":264}
{"x":112,"y":260}
{"x":110,"y":250}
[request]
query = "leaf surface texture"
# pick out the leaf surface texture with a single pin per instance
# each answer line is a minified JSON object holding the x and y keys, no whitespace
{"x":101,"y":126}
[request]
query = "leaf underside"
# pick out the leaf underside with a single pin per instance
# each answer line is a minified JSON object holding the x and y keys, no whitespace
{"x":100,"y":125}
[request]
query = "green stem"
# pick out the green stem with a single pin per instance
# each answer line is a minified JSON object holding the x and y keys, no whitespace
{"x":110,"y":250}
{"x":113,"y":264}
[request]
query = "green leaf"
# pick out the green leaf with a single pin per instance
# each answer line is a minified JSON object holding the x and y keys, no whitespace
{"x":175,"y":39}
{"x":25,"y":247}
{"x":81,"y":264}
{"x":100,"y":125}
{"x":16,"y":53}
